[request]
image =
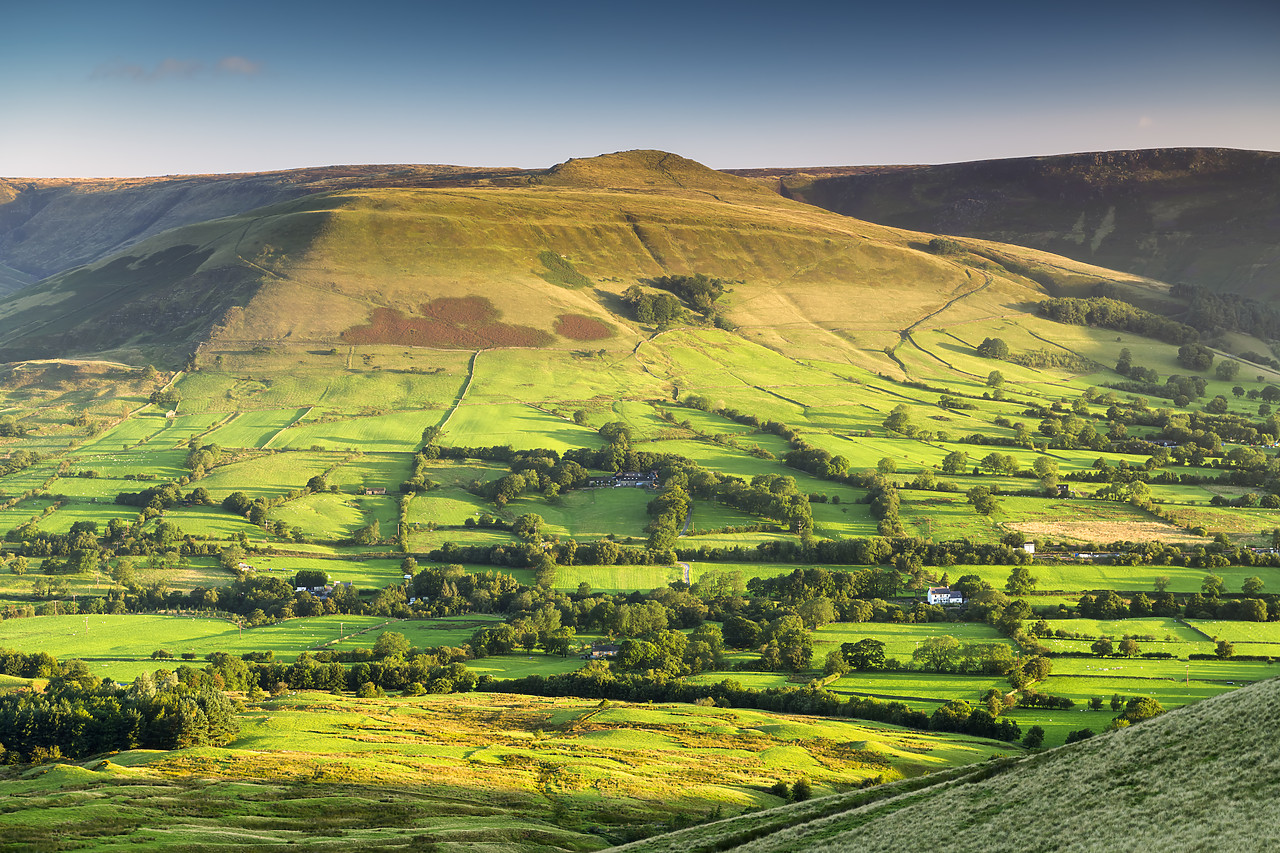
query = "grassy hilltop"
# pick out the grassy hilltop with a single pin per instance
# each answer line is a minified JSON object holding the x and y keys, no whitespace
{"x":560,"y":243}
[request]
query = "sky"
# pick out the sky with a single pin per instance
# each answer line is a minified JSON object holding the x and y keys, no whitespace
{"x":126,"y":88}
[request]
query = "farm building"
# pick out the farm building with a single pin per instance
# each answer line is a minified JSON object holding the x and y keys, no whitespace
{"x":600,"y":651}
{"x":632,"y":479}
{"x":945,"y":595}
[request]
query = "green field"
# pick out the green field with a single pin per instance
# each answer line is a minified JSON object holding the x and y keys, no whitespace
{"x":268,"y":475}
{"x":253,"y":429}
{"x":520,"y":426}
{"x":120,"y":647}
{"x":395,"y":432}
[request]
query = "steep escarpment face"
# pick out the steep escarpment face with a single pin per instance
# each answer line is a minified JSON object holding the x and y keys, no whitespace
{"x":1198,"y":216}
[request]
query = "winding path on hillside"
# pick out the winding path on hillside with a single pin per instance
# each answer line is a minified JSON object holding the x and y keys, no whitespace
{"x":905,"y":334}
{"x":909,"y":339}
{"x":950,"y":302}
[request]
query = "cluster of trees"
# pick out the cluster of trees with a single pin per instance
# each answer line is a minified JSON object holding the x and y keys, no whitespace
{"x":201,"y":458}
{"x":1207,"y":604}
{"x":78,"y":714}
{"x":18,"y":459}
{"x":1213,"y":311}
{"x":1105,"y":313}
{"x":699,"y":291}
{"x":1195,"y":357}
{"x":660,"y":308}
{"x":993,"y":348}
{"x":258,"y":512}
{"x":945,"y":246}
{"x":885,"y":504}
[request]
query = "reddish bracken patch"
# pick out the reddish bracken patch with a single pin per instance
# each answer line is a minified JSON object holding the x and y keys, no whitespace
{"x":579,"y":327}
{"x":461,"y":310}
{"x":467,"y":322}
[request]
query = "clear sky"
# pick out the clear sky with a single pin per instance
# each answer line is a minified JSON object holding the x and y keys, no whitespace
{"x":146,"y":88}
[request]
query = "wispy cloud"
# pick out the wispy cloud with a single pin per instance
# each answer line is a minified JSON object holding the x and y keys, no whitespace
{"x":239,"y":65}
{"x":178,"y":69}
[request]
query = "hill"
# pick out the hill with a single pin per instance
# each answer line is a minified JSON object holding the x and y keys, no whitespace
{"x":372,"y":261}
{"x":1202,"y":777}
{"x":51,"y":225}
{"x":1204,"y":216}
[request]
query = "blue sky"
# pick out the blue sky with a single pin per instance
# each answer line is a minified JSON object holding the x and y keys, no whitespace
{"x":145,"y":88}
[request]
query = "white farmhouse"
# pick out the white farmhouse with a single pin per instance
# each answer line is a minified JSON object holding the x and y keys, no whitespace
{"x":945,"y":595}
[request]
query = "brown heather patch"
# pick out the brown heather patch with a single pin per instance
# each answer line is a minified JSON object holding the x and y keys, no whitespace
{"x":461,"y":310}
{"x":468,"y":322}
{"x":579,"y":327}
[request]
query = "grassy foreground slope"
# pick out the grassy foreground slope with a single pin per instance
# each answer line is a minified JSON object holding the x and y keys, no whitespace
{"x":467,"y":772}
{"x":1204,"y":777}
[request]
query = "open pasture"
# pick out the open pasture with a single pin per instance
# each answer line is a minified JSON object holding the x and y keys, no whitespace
{"x":28,"y":479}
{"x":522,"y":665}
{"x":519,"y":425}
{"x":92,"y":489}
{"x":707,"y":423}
{"x":844,"y":520}
{"x":137,"y":428}
{"x":368,"y":573}
{"x":253,"y":429}
{"x":616,"y":578}
{"x":121,"y":646}
{"x":588,"y":514}
{"x":185,"y":427}
{"x":729,"y":460}
{"x":1239,"y":632}
{"x":20,"y":514}
{"x":1246,"y":526}
{"x":322,"y":516}
{"x":268,"y":475}
{"x":915,"y":688}
{"x":944,"y":516}
{"x":371,"y":471}
{"x":60,"y":520}
{"x":525,"y":375}
{"x":395,"y":432}
{"x":157,"y":460}
{"x":1156,"y":626}
{"x":214,"y":522}
{"x":1085,"y":576}
{"x":711,"y":515}
{"x":900,"y":640}
{"x":1220,"y":673}
{"x":448,"y":506}
{"x":639,"y":416}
